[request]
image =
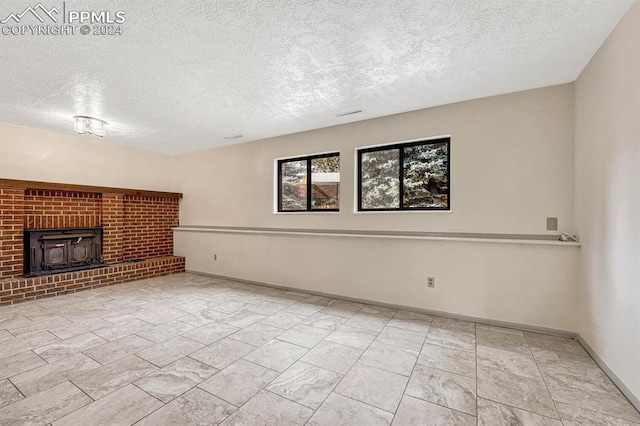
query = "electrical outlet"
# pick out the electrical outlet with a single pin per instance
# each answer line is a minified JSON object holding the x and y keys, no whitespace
{"x":552,"y":224}
{"x":431,"y":282}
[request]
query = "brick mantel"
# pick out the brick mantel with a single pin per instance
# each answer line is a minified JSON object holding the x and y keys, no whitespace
{"x":55,"y":186}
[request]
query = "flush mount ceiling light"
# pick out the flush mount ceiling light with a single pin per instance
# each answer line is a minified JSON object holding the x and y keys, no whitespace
{"x":86,"y":125}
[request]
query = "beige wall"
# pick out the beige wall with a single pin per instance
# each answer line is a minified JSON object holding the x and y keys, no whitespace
{"x":518,"y":283}
{"x":512,"y":166}
{"x":607,"y":202}
{"x":31,"y":154}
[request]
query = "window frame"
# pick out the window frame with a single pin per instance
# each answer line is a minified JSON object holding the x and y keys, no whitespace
{"x":308,"y":159}
{"x":400,"y":147}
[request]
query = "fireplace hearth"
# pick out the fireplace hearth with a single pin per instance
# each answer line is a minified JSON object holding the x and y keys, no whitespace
{"x":52,"y":251}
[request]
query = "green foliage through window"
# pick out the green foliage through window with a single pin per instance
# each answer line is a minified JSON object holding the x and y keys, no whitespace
{"x":411,"y":176}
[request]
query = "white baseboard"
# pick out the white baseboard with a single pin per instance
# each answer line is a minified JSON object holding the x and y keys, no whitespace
{"x":634,"y":400}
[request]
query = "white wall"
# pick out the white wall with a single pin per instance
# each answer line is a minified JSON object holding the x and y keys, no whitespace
{"x":512,"y":166}
{"x":607,"y":202}
{"x":31,"y":154}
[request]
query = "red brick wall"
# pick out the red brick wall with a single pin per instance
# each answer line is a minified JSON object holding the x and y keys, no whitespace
{"x":134,"y":227}
{"x":148,"y":223}
{"x":60,"y":209}
{"x":113,"y":227}
{"x":11,"y":232}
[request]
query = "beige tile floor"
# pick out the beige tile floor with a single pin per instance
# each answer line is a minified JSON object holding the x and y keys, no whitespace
{"x":187,"y":349}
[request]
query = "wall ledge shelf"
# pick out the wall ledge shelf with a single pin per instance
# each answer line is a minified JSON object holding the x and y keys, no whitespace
{"x":527,"y":239}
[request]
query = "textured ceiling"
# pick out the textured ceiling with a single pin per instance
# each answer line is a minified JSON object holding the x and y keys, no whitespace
{"x":186,"y":74}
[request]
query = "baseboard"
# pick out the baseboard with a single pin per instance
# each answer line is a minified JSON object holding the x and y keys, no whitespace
{"x":497,"y":323}
{"x":634,"y":400}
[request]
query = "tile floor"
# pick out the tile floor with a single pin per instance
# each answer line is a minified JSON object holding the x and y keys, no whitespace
{"x":187,"y":349}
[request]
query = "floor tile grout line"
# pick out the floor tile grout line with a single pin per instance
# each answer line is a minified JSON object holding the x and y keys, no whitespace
{"x":404,"y":391}
{"x":394,"y":372}
{"x":262,"y":366}
{"x":345,"y":374}
{"x":489,"y":399}
{"x":449,"y":347}
{"x":365,"y":403}
{"x":443,"y":406}
{"x":16,"y":388}
{"x":83,"y":391}
{"x":589,"y":409}
{"x":71,"y":354}
{"x":222,"y":399}
{"x":238,"y":407}
{"x":264,"y":389}
{"x":89,"y":356}
{"x":91,"y":401}
{"x":13,"y":334}
{"x":311,"y":365}
{"x":142,"y":390}
{"x":449,"y":371}
{"x":307,"y":351}
{"x":363,"y":352}
{"x":518,"y":408}
{"x":255,"y":363}
{"x":546,"y":386}
{"x":634,"y":423}
{"x":110,"y":393}
{"x":276,"y":338}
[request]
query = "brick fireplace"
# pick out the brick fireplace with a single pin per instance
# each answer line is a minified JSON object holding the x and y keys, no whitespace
{"x":136,"y":225}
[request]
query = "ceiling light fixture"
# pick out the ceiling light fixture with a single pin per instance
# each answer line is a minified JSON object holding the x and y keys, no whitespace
{"x":229,"y":138}
{"x":349,"y":113}
{"x":86,"y":125}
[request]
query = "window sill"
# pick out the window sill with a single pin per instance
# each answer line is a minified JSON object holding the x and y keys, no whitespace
{"x":308,"y":212}
{"x":366,"y":212}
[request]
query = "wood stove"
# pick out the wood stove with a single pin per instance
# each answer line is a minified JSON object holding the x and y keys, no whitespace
{"x":52,"y":251}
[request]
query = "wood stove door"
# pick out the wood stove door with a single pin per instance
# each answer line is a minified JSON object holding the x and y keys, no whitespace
{"x":56,"y":255}
{"x":81,"y":252}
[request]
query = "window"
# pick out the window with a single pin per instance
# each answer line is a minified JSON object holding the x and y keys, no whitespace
{"x":309,"y":183}
{"x":406,"y":176}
